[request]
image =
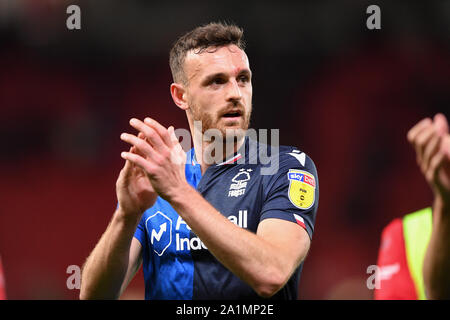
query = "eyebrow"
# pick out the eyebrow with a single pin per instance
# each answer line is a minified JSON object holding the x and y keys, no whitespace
{"x":210,"y":77}
{"x":246,"y":72}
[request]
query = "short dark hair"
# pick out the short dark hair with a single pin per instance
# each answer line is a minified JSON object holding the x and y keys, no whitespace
{"x":214,"y":34}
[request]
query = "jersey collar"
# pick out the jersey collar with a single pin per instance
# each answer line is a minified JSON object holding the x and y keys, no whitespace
{"x":233,"y":159}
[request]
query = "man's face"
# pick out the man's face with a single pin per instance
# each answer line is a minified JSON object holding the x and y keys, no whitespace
{"x":219,"y":88}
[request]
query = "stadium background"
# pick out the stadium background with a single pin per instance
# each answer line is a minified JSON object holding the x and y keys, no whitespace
{"x":342,"y":93}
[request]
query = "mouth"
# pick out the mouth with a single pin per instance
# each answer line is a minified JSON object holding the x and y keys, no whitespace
{"x":232,"y":114}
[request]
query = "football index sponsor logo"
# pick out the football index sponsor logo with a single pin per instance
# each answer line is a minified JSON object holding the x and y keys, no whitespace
{"x":160,"y":232}
{"x":194,"y":243}
{"x":160,"y":227}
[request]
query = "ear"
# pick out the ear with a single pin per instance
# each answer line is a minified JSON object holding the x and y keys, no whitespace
{"x":178,"y":93}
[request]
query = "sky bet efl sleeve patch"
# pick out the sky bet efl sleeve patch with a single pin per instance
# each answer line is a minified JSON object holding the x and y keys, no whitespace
{"x":292,"y":194}
{"x":302,"y":187}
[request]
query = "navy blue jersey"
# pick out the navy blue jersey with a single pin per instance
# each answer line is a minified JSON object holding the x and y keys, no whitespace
{"x":177,"y":265}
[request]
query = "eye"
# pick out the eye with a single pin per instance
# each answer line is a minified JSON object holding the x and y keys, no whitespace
{"x":218,"y":80}
{"x":244,"y":78}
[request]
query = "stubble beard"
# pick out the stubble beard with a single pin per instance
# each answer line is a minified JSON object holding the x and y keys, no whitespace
{"x":210,"y":123}
{"x":221,"y":141}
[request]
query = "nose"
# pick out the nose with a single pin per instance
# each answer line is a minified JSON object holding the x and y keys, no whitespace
{"x":234,"y":91}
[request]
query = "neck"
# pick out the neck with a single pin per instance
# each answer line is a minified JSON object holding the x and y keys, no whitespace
{"x":209,"y":152}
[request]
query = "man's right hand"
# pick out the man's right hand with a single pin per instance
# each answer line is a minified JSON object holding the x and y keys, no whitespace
{"x":134,"y":190}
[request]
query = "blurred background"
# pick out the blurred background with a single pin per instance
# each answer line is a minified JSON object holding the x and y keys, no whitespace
{"x":342,"y":93}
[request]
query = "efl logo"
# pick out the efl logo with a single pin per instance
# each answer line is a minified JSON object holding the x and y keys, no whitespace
{"x":302,"y":187}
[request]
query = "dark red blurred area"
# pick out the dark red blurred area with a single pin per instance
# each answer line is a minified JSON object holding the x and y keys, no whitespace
{"x":348,"y":107}
{"x":360,"y":112}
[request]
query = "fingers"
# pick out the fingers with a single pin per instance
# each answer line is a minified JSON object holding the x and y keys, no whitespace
{"x":421,"y":141}
{"x":172,"y":135}
{"x":150,"y":133}
{"x":136,"y":150}
{"x":425,"y":137}
{"x":156,"y":134}
{"x":131,"y":169}
{"x":441,"y":123}
{"x":153,"y":143}
{"x":126,"y":171}
{"x":142,"y":147}
{"x":445,"y":146}
{"x":178,"y":156}
{"x":163,"y":132}
{"x":431,"y":141}
{"x":436,"y":162}
{"x":431,"y":148}
{"x":141,"y":136}
{"x":445,"y":151}
{"x":138,"y":160}
{"x":414,"y":131}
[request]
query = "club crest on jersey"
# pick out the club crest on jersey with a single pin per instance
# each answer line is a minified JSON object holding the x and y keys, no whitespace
{"x":302,"y":186}
{"x":239,"y":183}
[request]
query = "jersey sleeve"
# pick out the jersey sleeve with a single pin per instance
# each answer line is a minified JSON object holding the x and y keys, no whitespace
{"x":292,"y":193}
{"x":395,"y":282}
